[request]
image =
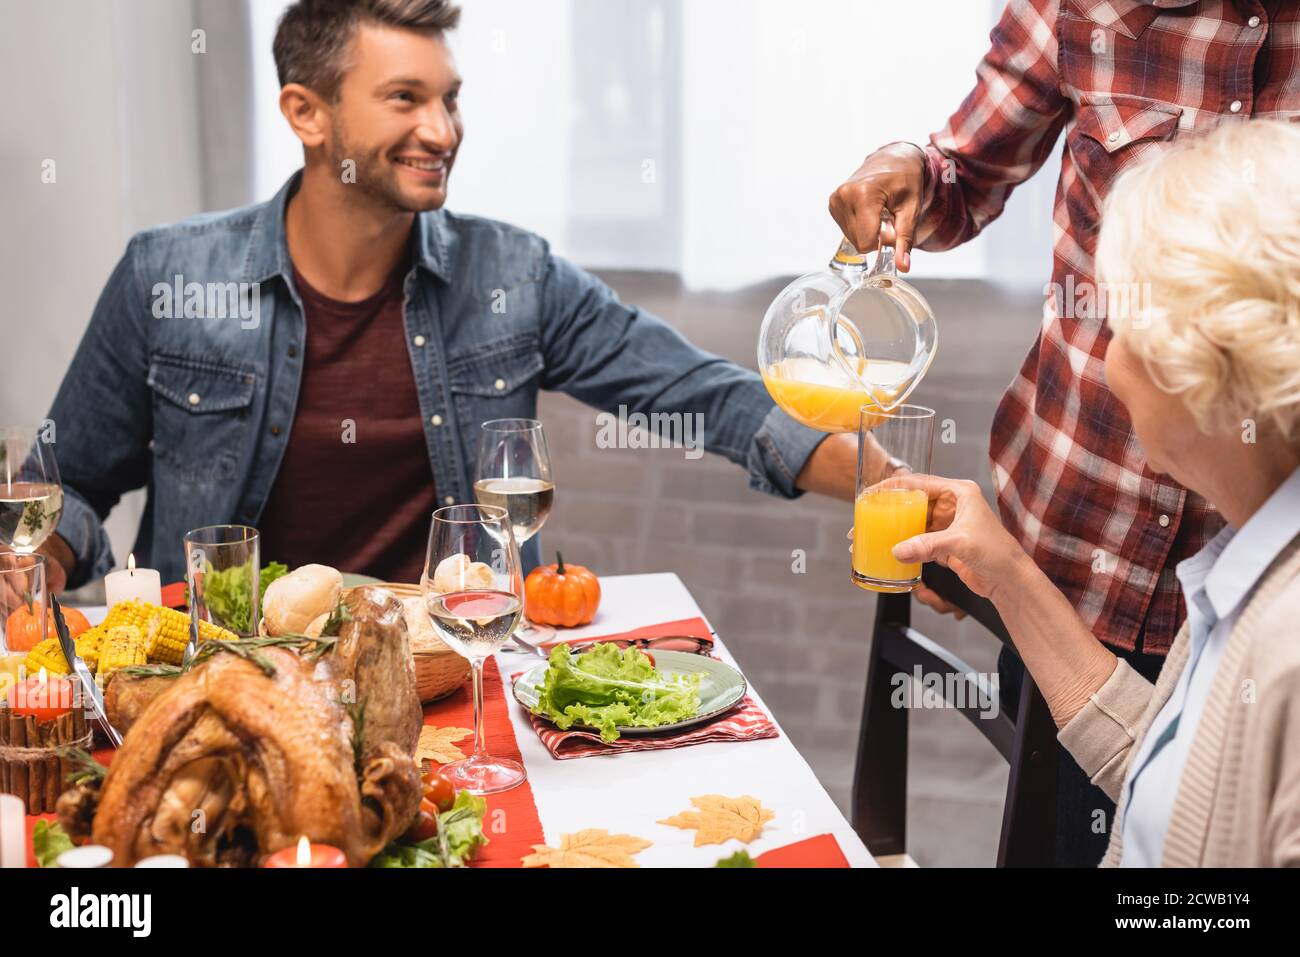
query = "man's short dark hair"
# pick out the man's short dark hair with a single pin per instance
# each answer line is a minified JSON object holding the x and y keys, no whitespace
{"x":314,"y":36}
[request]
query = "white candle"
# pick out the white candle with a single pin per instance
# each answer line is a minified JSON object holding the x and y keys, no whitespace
{"x":134,"y":583}
{"x":13,"y":831}
{"x":88,"y":855}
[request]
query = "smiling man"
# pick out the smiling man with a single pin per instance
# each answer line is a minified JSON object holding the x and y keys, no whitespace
{"x":386,"y":331}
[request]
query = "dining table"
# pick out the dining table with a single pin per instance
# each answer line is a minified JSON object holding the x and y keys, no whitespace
{"x":633,"y":792}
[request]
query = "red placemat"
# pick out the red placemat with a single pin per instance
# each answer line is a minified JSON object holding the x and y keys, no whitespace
{"x":511,"y":823}
{"x":746,"y":723}
{"x":820,"y":851}
{"x":693,"y":627}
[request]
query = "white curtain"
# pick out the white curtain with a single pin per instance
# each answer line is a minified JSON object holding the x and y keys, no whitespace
{"x":701,"y":137}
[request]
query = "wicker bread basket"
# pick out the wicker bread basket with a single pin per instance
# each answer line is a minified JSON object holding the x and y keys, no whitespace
{"x":438,"y":670}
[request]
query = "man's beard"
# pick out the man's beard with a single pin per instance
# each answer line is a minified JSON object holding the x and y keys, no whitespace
{"x":376,"y":180}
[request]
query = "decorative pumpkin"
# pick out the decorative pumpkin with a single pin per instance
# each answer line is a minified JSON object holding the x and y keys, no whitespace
{"x":561,"y":595}
{"x":23,"y":629}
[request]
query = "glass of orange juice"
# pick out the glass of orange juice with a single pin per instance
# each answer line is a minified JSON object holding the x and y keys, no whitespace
{"x":884,"y":517}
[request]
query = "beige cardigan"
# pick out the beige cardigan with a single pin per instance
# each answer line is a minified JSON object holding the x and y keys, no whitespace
{"x":1238,"y":802}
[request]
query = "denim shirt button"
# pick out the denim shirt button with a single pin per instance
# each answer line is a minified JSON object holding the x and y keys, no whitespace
{"x":499,"y":385}
{"x":419,"y":342}
{"x":450,"y":500}
{"x":195,"y":398}
{"x":436,"y":420}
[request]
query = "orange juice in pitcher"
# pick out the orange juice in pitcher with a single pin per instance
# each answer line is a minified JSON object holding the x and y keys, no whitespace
{"x":813,"y":394}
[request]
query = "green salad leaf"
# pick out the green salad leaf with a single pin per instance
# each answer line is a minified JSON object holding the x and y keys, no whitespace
{"x":49,"y":840}
{"x":227,"y":593}
{"x":460,"y":835}
{"x":608,"y":687}
{"x":739,"y":859}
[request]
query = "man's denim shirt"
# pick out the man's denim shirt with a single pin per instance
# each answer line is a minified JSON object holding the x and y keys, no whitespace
{"x":199,"y":409}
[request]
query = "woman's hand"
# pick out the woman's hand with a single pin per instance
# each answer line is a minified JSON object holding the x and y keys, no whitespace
{"x":962,"y":532}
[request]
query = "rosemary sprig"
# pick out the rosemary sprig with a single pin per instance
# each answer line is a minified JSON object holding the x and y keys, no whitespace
{"x":152,"y":671}
{"x":249,"y":649}
{"x":337,"y":619}
{"x":357,"y":712}
{"x":84,"y":768}
{"x":246,"y":648}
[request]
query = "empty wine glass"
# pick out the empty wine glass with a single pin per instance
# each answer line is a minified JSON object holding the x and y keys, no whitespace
{"x":473,"y":589}
{"x":31,"y":493}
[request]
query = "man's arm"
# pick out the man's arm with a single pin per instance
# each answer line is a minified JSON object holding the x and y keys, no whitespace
{"x":614,"y":356}
{"x":944,"y":194}
{"x":103,"y":419}
{"x":1002,"y":133}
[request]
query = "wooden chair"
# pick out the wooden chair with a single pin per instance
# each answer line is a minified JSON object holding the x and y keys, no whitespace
{"x":1026,"y":740}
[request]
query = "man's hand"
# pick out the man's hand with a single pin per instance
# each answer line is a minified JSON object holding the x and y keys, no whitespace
{"x":58,"y":561}
{"x":890,"y":181}
{"x":832,"y":469}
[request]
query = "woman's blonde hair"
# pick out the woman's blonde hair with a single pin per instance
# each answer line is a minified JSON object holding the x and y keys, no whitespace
{"x":1212,"y":229}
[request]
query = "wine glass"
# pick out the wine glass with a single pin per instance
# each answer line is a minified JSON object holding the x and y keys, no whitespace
{"x":31,"y":493}
{"x":514,"y":473}
{"x":474,"y":592}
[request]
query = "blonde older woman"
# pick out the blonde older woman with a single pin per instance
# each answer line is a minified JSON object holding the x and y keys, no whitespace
{"x":1205,"y":764}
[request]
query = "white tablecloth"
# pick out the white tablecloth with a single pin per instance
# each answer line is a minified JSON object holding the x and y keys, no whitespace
{"x":627,"y":793}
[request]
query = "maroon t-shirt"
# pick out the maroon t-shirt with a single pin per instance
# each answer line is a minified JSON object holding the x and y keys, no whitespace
{"x":355,"y":489}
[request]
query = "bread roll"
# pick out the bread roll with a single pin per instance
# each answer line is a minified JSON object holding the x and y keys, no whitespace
{"x":292,"y":603}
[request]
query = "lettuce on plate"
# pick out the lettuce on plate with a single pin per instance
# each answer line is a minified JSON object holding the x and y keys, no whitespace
{"x":609,"y":687}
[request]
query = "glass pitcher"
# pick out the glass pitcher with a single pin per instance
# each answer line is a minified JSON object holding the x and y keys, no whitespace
{"x":846,"y":337}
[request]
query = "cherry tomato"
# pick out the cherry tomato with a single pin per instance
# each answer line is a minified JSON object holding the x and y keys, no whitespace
{"x":439,"y":790}
{"x":425,"y":826}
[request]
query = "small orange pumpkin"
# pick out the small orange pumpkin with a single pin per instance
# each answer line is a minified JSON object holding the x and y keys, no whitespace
{"x":23,"y":628}
{"x":562,"y":595}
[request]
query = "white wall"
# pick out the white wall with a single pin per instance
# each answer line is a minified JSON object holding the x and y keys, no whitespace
{"x":701,"y":137}
{"x":106,"y":91}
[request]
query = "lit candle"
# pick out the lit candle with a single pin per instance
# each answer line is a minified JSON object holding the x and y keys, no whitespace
{"x":42,"y":697}
{"x":86,"y":856}
{"x":13,"y":831}
{"x":307,"y":854}
{"x":144,"y":584}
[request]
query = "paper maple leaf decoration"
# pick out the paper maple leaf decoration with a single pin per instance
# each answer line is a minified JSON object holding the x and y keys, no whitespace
{"x":719,"y":819}
{"x":435,"y":744}
{"x":594,"y":847}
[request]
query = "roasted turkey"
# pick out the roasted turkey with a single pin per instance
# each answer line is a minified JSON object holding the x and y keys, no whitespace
{"x":227,"y":763}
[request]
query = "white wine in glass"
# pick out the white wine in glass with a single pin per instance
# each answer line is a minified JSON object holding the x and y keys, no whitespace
{"x":514,"y":473}
{"x":474,"y":594}
{"x":528,"y":500}
{"x":31,"y":493}
{"x":475,"y":623}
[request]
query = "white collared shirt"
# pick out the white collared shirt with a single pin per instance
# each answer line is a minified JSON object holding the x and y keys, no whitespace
{"x":1216,"y":582}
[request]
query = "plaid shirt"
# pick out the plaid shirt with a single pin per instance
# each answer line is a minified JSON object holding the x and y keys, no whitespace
{"x":1122,"y":79}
